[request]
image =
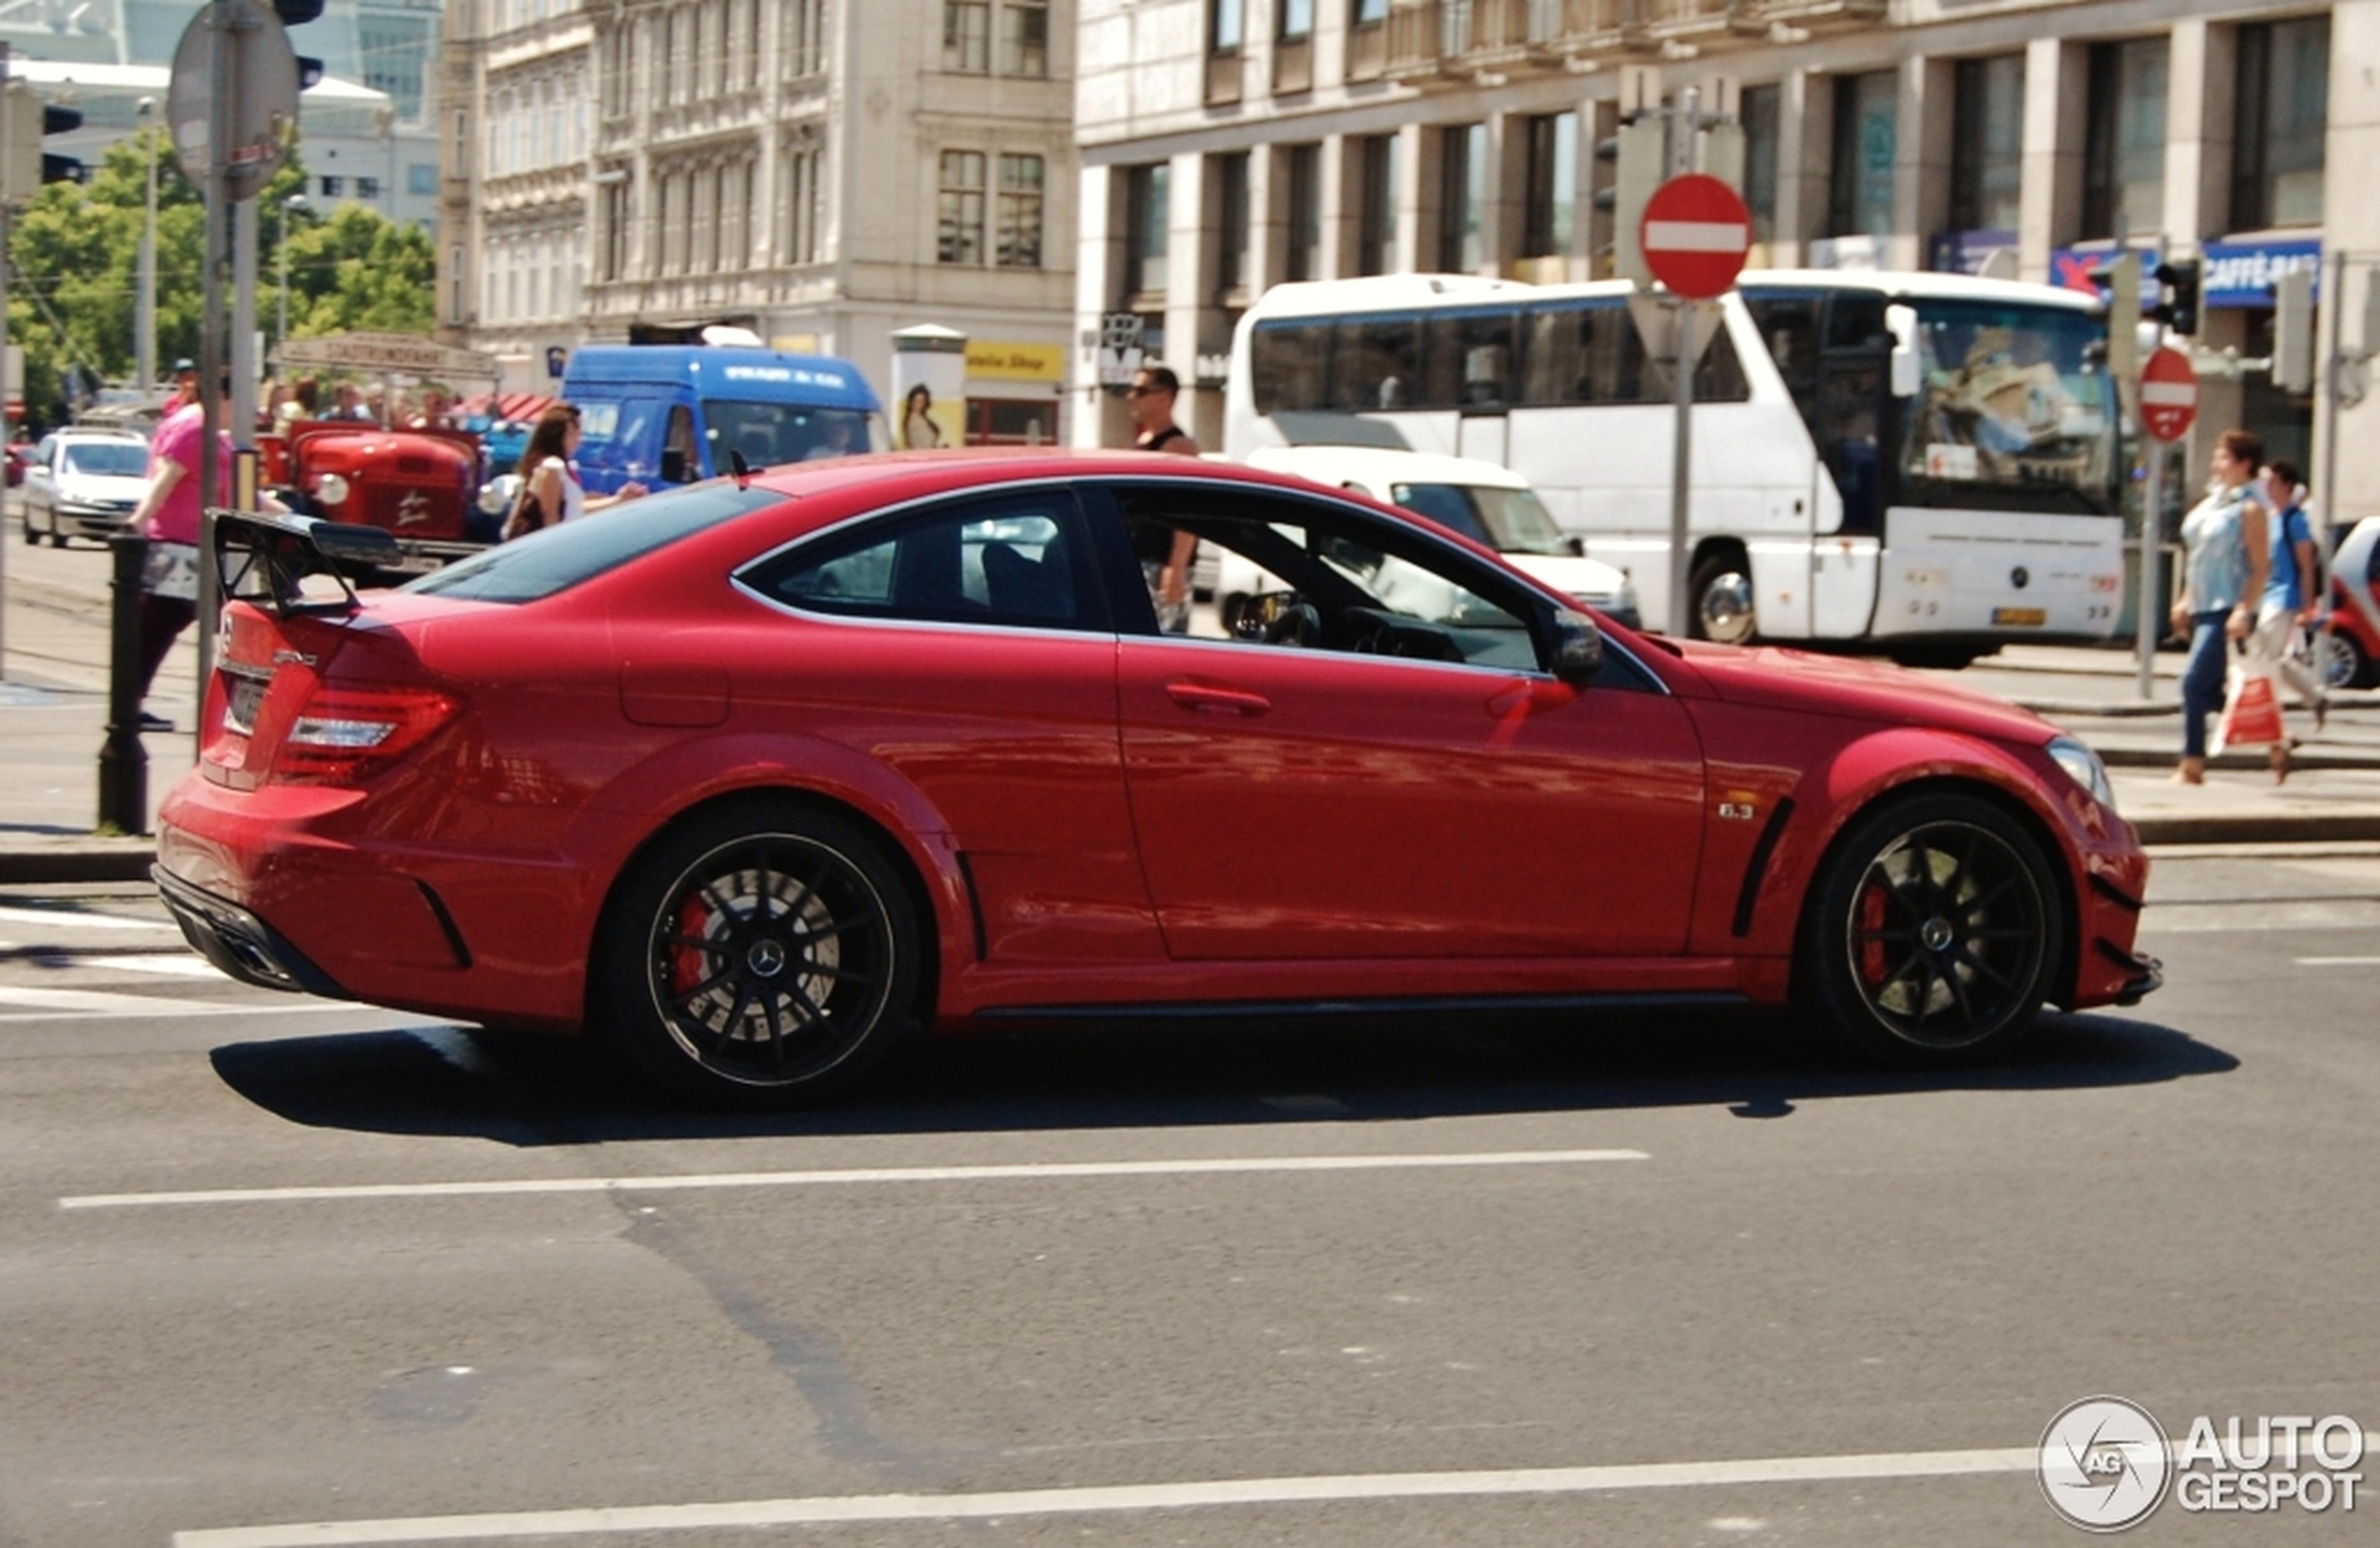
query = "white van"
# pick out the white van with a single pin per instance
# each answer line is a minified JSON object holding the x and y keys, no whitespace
{"x":1482,"y":501}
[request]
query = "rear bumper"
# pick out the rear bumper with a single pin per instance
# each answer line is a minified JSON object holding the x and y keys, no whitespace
{"x":239,"y":943}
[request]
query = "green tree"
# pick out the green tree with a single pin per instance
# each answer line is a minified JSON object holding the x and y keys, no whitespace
{"x":75,"y":254}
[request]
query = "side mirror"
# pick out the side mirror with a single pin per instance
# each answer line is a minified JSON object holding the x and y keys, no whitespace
{"x":673,"y":465}
{"x":1574,"y":546}
{"x":1578,"y":649}
{"x":1902,"y":322}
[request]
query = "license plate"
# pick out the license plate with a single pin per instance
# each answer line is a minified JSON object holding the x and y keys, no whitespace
{"x":2020,"y":617}
{"x":246,"y":696}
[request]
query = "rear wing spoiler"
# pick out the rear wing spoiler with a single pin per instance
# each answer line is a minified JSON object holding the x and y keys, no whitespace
{"x":267,"y":559}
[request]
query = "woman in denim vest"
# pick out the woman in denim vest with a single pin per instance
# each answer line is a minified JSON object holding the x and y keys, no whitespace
{"x":2225,"y":559}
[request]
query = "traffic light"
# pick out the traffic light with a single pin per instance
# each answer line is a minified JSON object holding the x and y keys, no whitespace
{"x":2293,"y":332}
{"x":297,"y":13}
{"x":1635,"y":154}
{"x":28,"y":167}
{"x":2180,"y":309}
{"x":2121,"y":279}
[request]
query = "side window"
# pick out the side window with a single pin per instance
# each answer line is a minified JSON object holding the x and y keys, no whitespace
{"x":1469,"y":358}
{"x":1310,"y":575}
{"x":1017,"y":561}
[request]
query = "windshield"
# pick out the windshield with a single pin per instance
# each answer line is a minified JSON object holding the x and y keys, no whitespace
{"x":770,"y":433}
{"x":1511,"y":521}
{"x":2010,"y":397}
{"x":105,"y":458}
{"x":560,"y":556}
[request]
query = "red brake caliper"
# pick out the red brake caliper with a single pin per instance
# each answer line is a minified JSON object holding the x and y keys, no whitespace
{"x":1871,"y":923}
{"x":689,"y":965}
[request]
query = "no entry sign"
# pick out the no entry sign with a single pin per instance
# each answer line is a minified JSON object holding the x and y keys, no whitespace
{"x":1695,"y":234}
{"x":2169,"y":394}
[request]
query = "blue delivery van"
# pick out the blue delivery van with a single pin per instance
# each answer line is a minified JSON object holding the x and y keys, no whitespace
{"x":662,"y":414}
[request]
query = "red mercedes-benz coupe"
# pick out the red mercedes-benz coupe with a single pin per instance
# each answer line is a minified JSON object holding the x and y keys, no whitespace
{"x":757,"y":777}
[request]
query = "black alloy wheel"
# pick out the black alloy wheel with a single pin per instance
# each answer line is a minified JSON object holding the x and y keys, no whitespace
{"x":1933,"y":932}
{"x":761,"y":958}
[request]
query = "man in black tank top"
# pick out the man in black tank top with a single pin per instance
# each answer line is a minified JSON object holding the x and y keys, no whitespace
{"x":1150,"y":397}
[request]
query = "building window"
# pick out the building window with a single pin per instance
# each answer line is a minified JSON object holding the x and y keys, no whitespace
{"x":619,"y":223}
{"x":805,"y":23}
{"x":367,"y":187}
{"x":1147,"y":215}
{"x":1303,"y":174}
{"x":1016,"y":243}
{"x":1367,"y":39}
{"x":2284,"y":104}
{"x":676,"y":221}
{"x":1227,"y":26}
{"x":420,"y":179}
{"x":333,"y":186}
{"x":803,"y":222}
{"x":966,"y":36}
{"x":960,"y":216}
{"x":1552,"y":206}
{"x":1297,"y":20}
{"x":1461,"y":179}
{"x":1761,"y":114}
{"x":1293,"y":46}
{"x":1024,"y":37}
{"x":456,"y":289}
{"x":1988,"y":145}
{"x":1375,"y":224}
{"x":1866,"y":145}
{"x":2125,"y":139}
{"x":1230,"y":174}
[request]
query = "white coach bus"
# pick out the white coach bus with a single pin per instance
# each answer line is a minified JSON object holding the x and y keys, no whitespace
{"x":1927,"y":461}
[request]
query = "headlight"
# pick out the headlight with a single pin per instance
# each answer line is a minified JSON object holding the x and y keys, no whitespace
{"x":330,"y":489}
{"x":2083,"y":766}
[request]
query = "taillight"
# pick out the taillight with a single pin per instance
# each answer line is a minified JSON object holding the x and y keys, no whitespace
{"x":341,"y":734}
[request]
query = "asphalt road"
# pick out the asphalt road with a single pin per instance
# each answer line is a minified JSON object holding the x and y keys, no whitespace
{"x":1419,"y":1283}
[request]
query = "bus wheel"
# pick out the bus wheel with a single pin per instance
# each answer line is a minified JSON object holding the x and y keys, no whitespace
{"x":1720,"y":594}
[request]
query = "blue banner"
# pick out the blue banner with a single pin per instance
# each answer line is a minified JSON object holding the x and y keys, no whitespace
{"x":2241,"y":274}
{"x":2072,"y":267}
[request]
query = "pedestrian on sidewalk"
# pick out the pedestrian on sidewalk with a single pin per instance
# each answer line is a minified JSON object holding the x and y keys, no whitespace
{"x":168,"y":517}
{"x":2225,"y":556}
{"x":1166,"y":553}
{"x":2287,"y":610}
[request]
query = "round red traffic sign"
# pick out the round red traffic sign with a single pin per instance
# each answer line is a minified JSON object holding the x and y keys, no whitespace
{"x":1695,"y":234}
{"x":2169,"y":394}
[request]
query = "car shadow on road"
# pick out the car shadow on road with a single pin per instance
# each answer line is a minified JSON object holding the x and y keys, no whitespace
{"x":533,"y":1092}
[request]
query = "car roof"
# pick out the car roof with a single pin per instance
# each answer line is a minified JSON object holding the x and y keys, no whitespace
{"x":890,"y":476}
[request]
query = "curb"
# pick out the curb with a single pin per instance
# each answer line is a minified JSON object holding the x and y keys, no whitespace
{"x":97,"y":861}
{"x":2257,"y":829}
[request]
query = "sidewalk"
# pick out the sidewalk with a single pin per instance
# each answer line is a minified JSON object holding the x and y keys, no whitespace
{"x":53,"y":712}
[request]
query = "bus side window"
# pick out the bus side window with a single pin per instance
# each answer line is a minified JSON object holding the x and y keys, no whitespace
{"x":1289,"y":366}
{"x":1376,"y":364}
{"x":1468,"y":359}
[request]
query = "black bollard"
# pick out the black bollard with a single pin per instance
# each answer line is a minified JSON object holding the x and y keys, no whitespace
{"x":123,"y":763}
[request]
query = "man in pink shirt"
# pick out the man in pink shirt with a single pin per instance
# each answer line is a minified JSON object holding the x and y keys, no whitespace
{"x":169,"y":515}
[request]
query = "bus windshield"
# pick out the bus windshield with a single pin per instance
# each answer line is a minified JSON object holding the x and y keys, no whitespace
{"x":2010,"y":397}
{"x":1511,"y":521}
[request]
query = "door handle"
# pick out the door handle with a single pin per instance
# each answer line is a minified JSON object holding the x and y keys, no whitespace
{"x":1198,"y":695}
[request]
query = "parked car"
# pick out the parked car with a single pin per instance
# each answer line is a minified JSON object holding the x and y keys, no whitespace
{"x":83,"y":483}
{"x":756,"y":777}
{"x":19,"y":455}
{"x":1482,"y":501}
{"x":2347,"y":636}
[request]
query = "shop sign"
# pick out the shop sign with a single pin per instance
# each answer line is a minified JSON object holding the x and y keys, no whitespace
{"x":994,"y":360}
{"x":2242,"y":273}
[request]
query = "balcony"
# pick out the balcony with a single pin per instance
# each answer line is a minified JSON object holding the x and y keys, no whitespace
{"x":1453,"y":39}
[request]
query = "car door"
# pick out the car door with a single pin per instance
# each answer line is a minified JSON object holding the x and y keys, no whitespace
{"x":965,"y":645}
{"x":41,"y":486}
{"x":1392,"y":774}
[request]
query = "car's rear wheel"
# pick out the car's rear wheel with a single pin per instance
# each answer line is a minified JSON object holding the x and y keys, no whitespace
{"x":1720,"y":596}
{"x":760,"y":957}
{"x":2340,"y":660}
{"x":1933,"y":932}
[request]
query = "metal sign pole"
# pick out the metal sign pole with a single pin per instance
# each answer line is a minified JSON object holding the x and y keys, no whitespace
{"x":224,"y":85}
{"x":1683,"y":361}
{"x":4,"y":235}
{"x":2150,"y":610}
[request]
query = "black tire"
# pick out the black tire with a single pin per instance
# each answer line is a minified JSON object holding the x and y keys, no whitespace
{"x":1933,"y":932}
{"x":57,"y":538}
{"x":1719,"y":595}
{"x":2340,"y":660}
{"x":759,"y":956}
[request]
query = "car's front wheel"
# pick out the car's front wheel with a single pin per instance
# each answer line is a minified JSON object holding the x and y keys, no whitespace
{"x":760,"y":957}
{"x":1933,"y":932}
{"x":2340,"y":660}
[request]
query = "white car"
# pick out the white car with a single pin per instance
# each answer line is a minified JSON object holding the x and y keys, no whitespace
{"x":1482,"y":501}
{"x":83,"y":483}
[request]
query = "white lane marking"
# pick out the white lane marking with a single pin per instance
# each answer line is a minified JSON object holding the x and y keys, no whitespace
{"x":172,"y":967}
{"x":1030,"y":1170}
{"x":52,"y":1005}
{"x":1321,"y":1489}
{"x":2339,"y":961}
{"x":69,"y":919}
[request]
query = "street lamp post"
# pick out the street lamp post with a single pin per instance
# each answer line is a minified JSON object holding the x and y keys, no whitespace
{"x":146,"y":345}
{"x":281,"y":328}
